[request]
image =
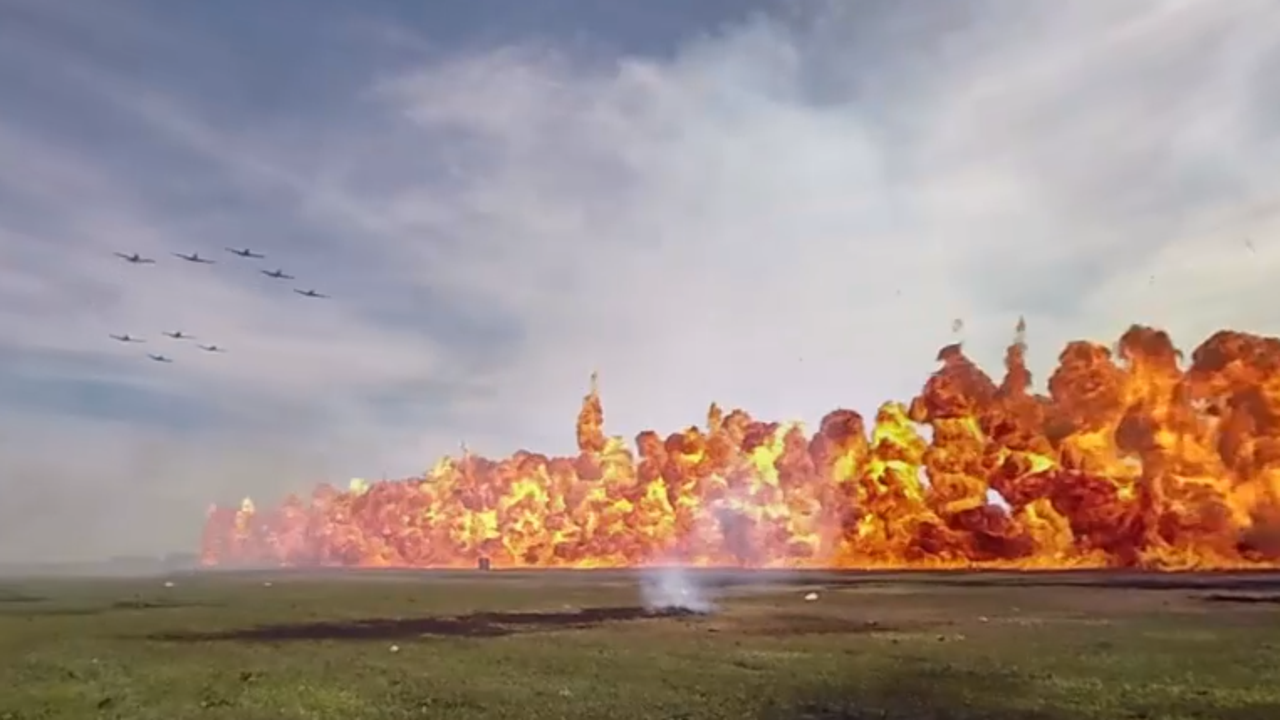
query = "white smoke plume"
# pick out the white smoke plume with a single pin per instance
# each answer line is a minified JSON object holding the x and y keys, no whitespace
{"x":664,"y":588}
{"x":670,"y":584}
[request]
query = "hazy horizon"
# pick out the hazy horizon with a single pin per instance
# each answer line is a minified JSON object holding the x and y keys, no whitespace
{"x":773,"y":208}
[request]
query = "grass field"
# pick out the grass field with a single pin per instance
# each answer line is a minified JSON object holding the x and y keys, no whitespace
{"x":575,"y":645}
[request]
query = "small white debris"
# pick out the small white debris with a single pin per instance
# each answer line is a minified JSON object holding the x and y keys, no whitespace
{"x":983,"y":618}
{"x":395,"y":648}
{"x":266,"y":584}
{"x":811,"y":596}
{"x":168,"y":583}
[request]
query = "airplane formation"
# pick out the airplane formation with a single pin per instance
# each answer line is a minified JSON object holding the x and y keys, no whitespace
{"x":196,"y":258}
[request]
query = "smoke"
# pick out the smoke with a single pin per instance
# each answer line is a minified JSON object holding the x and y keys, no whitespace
{"x":670,"y":584}
{"x":871,"y":145}
{"x":674,"y":587}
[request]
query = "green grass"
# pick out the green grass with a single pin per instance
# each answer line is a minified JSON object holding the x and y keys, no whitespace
{"x":527,"y":646}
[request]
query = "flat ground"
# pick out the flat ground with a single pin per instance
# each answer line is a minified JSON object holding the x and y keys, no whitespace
{"x":575,"y":645}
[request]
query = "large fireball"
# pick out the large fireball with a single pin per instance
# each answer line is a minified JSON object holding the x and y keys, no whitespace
{"x":1130,"y":461}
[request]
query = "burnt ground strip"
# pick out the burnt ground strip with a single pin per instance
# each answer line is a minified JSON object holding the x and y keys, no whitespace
{"x":1243,"y":599}
{"x":475,"y":625}
{"x":500,"y":624}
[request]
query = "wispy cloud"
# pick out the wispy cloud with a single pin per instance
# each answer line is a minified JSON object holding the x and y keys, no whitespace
{"x":784,"y":213}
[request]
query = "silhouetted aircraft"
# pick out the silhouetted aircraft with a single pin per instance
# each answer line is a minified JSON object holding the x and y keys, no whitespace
{"x":136,"y":259}
{"x":159,"y":358}
{"x":179,"y":335}
{"x":245,"y":253}
{"x":279,"y":274}
{"x":195,"y":258}
{"x":211,"y":348}
{"x":127,"y":338}
{"x":310,"y":293}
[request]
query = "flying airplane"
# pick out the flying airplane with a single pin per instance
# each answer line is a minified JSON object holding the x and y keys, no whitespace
{"x":195,"y":258}
{"x":136,"y":259}
{"x":310,"y":293}
{"x":179,"y":335}
{"x":278,"y":274}
{"x":211,"y":348}
{"x":245,"y":253}
{"x":159,"y":358}
{"x":127,"y":338}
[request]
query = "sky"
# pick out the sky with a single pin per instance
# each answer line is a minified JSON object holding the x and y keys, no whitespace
{"x":776,"y":206}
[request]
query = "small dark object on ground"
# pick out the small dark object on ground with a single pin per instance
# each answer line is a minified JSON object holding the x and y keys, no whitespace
{"x":1240,"y":598}
{"x":483,"y":563}
{"x":678,"y":612}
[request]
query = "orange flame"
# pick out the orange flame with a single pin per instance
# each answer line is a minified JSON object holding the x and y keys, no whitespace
{"x":1128,"y":462}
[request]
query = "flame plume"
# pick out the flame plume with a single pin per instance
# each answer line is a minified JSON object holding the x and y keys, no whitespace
{"x":1129,"y":461}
